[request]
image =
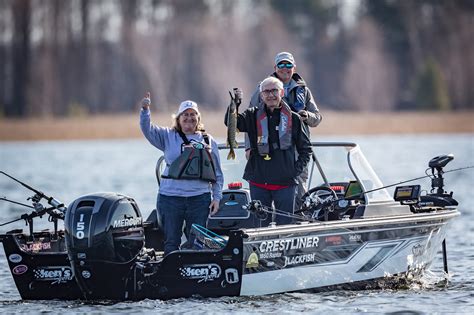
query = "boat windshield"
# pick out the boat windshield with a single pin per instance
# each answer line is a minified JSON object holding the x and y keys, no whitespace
{"x":367,"y":177}
{"x":335,"y":163}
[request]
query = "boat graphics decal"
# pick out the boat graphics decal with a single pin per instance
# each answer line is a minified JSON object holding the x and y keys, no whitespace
{"x":282,"y":252}
{"x":372,"y":259}
{"x":19,"y":270}
{"x":36,"y":247}
{"x":57,"y":274}
{"x":15,"y":258}
{"x":201,"y":272}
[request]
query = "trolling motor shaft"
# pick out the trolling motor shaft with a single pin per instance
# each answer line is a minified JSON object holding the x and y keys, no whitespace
{"x":436,"y":164}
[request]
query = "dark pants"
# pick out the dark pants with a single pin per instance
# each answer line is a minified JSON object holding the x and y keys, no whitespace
{"x":176,"y":210}
{"x":283,"y":199}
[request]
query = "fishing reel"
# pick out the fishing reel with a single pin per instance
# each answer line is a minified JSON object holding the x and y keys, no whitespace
{"x":257,"y":208}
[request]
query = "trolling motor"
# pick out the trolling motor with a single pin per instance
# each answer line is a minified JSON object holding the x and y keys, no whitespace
{"x":437,"y":164}
{"x":56,"y":211}
{"x":437,"y":198}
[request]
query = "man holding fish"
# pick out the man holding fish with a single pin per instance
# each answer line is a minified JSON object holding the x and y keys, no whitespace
{"x":275,"y":135}
{"x":300,"y":99}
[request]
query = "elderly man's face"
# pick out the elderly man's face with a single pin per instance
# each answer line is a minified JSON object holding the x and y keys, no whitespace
{"x":284,"y":71}
{"x":271,"y":95}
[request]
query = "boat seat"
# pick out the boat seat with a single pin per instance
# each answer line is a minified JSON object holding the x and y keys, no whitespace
{"x":154,"y":236}
{"x":231,"y":214}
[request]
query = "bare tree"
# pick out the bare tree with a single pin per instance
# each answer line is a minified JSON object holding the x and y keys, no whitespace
{"x":370,"y":80}
{"x":21,"y":10}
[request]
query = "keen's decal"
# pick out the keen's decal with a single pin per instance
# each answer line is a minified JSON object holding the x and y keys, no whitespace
{"x":56,"y":275}
{"x":201,"y":272}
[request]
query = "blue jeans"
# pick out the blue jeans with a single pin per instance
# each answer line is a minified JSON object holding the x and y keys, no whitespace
{"x":176,"y":210}
{"x":283,"y":199}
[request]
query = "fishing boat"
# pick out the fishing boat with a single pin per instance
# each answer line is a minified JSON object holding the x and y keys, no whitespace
{"x":349,"y":232}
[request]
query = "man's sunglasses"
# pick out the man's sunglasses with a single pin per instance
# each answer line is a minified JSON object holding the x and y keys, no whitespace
{"x":285,"y":65}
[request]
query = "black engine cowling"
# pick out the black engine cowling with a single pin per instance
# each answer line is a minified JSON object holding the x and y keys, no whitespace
{"x":104,"y":235}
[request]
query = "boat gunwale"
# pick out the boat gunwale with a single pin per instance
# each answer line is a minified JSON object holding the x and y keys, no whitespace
{"x":445,"y":215}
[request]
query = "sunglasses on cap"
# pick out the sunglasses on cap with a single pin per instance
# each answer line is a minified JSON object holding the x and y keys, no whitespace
{"x":285,"y":65}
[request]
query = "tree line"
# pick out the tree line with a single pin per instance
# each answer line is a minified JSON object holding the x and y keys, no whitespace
{"x":73,"y":57}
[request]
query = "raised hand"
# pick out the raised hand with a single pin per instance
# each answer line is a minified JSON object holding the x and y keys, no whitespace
{"x":146,"y":101}
{"x":238,"y":96}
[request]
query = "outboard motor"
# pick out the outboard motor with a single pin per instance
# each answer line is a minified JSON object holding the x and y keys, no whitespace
{"x":104,"y":235}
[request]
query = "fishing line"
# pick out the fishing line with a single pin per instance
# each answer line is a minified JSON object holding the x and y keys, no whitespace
{"x":411,"y":180}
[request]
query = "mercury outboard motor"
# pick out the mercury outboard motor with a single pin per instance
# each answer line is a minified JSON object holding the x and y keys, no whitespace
{"x":104,"y":235}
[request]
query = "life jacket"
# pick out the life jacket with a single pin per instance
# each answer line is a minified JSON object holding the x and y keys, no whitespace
{"x":284,"y":129}
{"x":195,"y":162}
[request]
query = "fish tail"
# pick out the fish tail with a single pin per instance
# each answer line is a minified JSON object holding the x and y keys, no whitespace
{"x":231,"y":155}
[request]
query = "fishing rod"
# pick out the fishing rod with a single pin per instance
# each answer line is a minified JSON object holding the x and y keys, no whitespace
{"x":16,"y":202}
{"x":261,"y":211}
{"x":56,"y":211}
{"x":407,"y":181}
{"x":29,"y":217}
{"x":56,"y":204}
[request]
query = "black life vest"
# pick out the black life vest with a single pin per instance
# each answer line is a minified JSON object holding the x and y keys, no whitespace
{"x":195,"y":162}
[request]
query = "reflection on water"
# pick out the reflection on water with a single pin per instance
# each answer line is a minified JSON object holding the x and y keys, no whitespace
{"x":67,"y":170}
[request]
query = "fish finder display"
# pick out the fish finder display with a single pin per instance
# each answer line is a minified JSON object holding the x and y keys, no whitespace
{"x":403,"y":193}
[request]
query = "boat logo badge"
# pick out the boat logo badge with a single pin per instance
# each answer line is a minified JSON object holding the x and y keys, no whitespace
{"x":231,"y":275}
{"x":57,"y":274}
{"x":19,"y":270}
{"x":355,"y":237}
{"x":231,"y":203}
{"x":417,"y":250}
{"x":86,"y":274}
{"x":15,"y":258}
{"x":252,"y":261}
{"x":201,"y":272}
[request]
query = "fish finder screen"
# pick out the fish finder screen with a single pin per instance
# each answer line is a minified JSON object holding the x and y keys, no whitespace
{"x":407,"y":193}
{"x":354,"y":191}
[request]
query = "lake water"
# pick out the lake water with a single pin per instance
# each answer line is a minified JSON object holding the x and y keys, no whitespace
{"x":67,"y":170}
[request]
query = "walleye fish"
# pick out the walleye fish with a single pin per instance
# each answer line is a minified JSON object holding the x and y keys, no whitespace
{"x":232,"y":124}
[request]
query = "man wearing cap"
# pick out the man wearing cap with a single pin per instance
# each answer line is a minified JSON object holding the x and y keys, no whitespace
{"x":279,"y":149}
{"x":298,"y":96}
{"x":186,"y":193}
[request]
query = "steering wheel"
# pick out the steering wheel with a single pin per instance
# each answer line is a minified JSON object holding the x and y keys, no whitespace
{"x":318,"y":200}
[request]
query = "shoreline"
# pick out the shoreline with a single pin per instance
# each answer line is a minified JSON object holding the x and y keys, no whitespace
{"x":126,"y":126}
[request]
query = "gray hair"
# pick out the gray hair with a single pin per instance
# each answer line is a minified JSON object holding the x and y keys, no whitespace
{"x":267,"y":80}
